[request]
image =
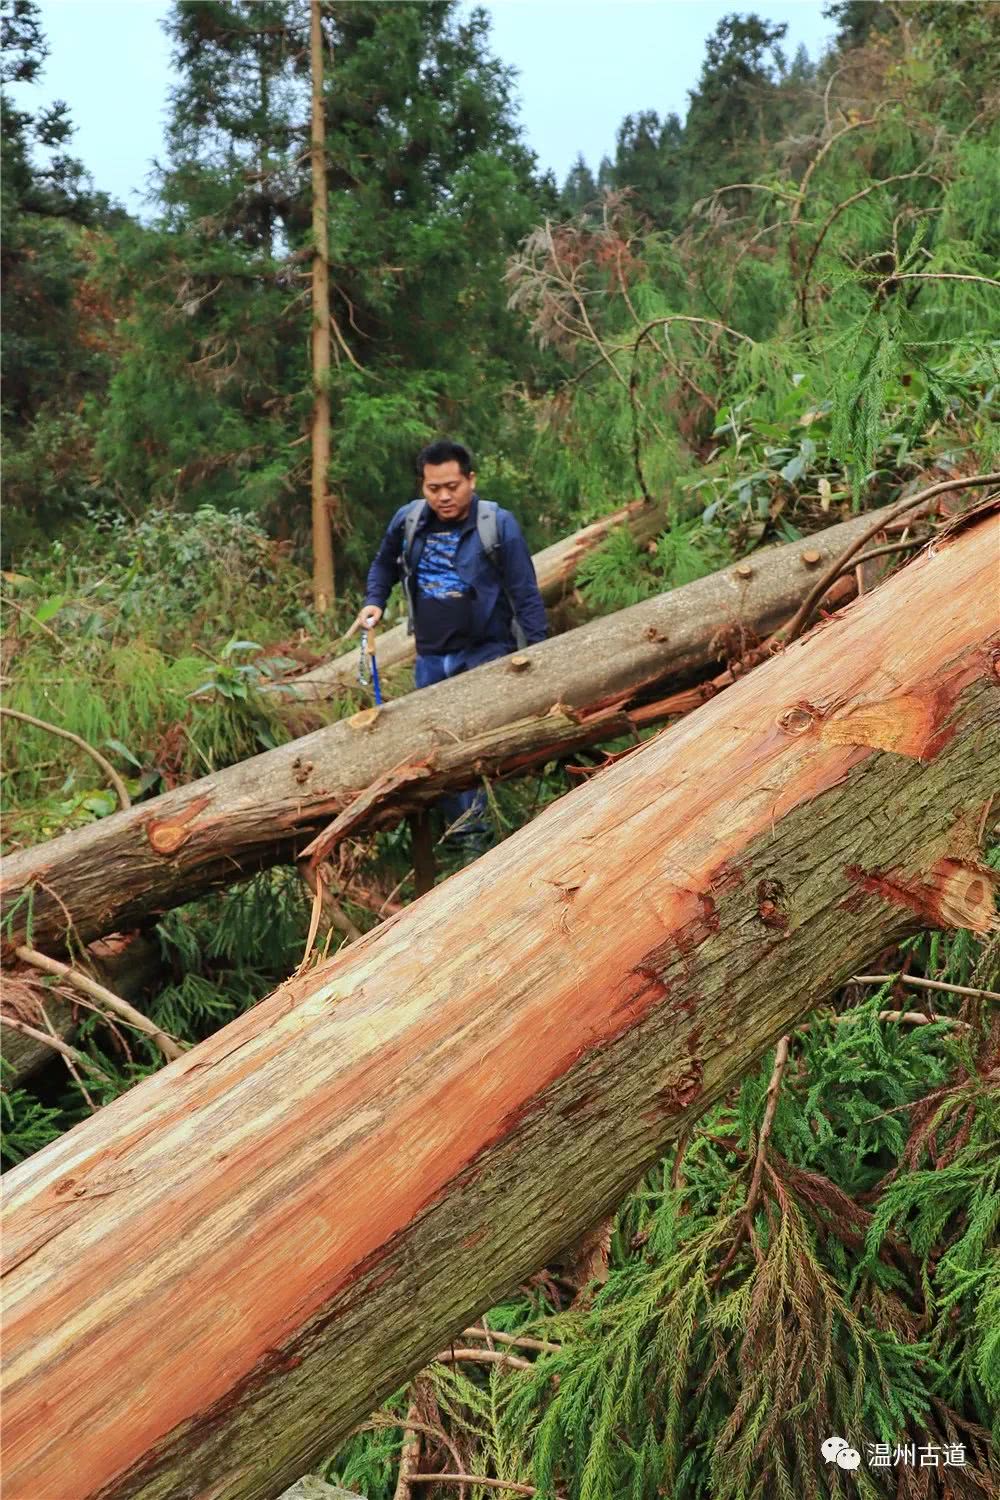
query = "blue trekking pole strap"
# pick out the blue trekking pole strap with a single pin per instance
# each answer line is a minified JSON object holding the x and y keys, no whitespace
{"x":368,"y":667}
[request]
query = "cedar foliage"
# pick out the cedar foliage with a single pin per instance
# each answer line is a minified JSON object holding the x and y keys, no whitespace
{"x":779,"y":311}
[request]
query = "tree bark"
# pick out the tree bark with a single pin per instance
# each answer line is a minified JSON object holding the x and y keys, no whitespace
{"x":210,"y":1281}
{"x":322,"y":533}
{"x":575,"y":690}
{"x":555,"y":569}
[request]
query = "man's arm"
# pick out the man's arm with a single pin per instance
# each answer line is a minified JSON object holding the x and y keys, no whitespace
{"x":520,"y":583}
{"x":383,"y":573}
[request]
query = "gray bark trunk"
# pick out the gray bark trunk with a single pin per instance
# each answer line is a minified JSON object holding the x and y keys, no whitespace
{"x":555,"y":570}
{"x":570,"y":691}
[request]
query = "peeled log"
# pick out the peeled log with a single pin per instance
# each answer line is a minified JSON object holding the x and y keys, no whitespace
{"x":209,"y":1282}
{"x":574,"y":691}
{"x":555,"y":569}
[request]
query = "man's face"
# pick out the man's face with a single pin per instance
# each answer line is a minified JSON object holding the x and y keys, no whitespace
{"x":447,"y":490}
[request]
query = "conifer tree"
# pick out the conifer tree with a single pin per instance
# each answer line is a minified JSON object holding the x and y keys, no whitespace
{"x":580,"y":188}
{"x":429,"y":187}
{"x":55,"y":339}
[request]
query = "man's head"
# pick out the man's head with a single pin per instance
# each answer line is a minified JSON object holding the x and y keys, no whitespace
{"x":447,"y":479}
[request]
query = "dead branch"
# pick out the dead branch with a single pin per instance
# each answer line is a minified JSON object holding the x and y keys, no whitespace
{"x":482,"y":1357}
{"x":926,"y":984}
{"x":121,"y":791}
{"x":804,"y":614}
{"x":104,"y":997}
{"x":480,"y":1479}
{"x":933,"y":276}
{"x":50,"y":1039}
{"x":409,"y":1455}
{"x":832,"y":218}
{"x":517,"y":1341}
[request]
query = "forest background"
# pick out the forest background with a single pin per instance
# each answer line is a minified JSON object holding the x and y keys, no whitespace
{"x":761,"y":318}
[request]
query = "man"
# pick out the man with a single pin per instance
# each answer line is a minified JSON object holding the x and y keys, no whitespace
{"x":464,"y":603}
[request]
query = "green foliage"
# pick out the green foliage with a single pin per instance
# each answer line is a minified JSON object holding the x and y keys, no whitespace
{"x":57,"y":333}
{"x":150,"y":640}
{"x":782,"y":310}
{"x":714,"y":1364}
{"x":429,"y":188}
{"x":624,"y":572}
{"x":26,"y":1124}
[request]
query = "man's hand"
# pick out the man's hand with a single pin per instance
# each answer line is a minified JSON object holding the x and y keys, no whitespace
{"x":367,"y":619}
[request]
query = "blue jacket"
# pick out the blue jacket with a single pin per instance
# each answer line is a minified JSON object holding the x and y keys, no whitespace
{"x":491,"y":614}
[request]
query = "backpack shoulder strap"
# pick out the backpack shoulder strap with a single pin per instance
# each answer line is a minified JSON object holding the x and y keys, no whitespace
{"x":489,"y":536}
{"x":411,"y":521}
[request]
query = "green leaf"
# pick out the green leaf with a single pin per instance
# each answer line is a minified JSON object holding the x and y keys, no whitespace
{"x":101,"y":804}
{"x":49,"y":607}
{"x":124,"y":752}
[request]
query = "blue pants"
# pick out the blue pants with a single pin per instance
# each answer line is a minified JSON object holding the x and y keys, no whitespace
{"x":431,"y":669}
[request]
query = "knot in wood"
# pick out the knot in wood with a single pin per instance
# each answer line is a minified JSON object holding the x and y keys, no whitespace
{"x":770,"y":909}
{"x":795,"y":720}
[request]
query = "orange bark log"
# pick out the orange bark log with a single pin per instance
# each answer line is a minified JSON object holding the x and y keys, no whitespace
{"x":212,"y":1280}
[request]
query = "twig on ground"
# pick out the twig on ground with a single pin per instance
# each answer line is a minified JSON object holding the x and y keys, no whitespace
{"x":745,"y":1226}
{"x":926,"y":984}
{"x":168,"y":1046}
{"x":780,"y":1060}
{"x":409,"y":1456}
{"x":804,"y":614}
{"x":55,"y":1042}
{"x":903,"y":1017}
{"x":379,"y":1424}
{"x":514,"y":1340}
{"x":677,"y":1170}
{"x":481,"y":1357}
{"x":71,"y":1065}
{"x":480,"y":1479}
{"x":121,"y":791}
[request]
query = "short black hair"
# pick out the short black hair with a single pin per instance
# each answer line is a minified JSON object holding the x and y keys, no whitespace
{"x":443,"y":451}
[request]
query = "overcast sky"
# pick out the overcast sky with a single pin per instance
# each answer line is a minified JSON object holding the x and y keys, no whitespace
{"x":583,"y":65}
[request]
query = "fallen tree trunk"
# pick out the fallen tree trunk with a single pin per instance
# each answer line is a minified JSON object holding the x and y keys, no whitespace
{"x":509,"y":715}
{"x":555,"y":569}
{"x":209,"y":1282}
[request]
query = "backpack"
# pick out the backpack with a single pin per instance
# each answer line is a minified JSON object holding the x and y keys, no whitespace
{"x":489,"y":540}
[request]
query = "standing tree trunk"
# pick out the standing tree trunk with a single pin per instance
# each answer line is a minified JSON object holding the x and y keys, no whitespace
{"x":322,"y":532}
{"x":558,"y":696}
{"x":212,"y":1280}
